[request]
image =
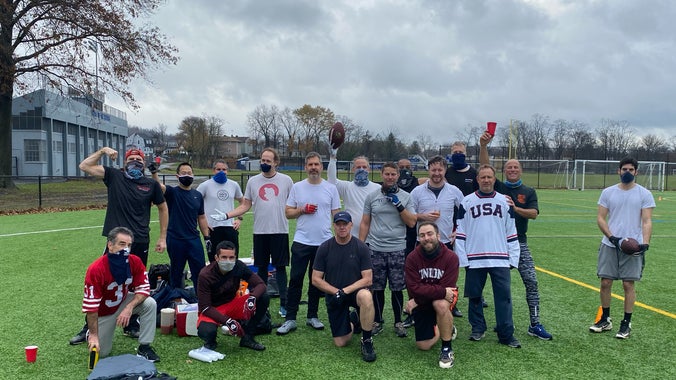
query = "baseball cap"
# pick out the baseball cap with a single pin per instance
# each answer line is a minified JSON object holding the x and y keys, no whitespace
{"x":342,"y":216}
{"x":136,"y":152}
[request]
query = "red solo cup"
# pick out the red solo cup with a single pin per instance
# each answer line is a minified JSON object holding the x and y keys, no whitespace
{"x":31,"y":353}
{"x":490,"y":127}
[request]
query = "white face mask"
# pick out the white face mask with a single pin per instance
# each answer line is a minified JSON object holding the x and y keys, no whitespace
{"x":226,"y":265}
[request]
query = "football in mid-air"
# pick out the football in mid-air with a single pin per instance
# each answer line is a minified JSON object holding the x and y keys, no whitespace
{"x":629,"y":246}
{"x":337,"y":135}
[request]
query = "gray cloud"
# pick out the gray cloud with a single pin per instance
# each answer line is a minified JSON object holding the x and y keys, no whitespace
{"x":412,"y":66}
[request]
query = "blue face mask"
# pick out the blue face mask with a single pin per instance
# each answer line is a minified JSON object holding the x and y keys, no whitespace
{"x":361,"y":177}
{"x":119,"y":265}
{"x":458,"y":160}
{"x":134,"y":170}
{"x":221,"y":177}
{"x":627,"y":177}
{"x":265,"y":168}
{"x":513,"y":185}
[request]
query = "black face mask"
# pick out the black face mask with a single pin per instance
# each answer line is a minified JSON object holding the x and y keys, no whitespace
{"x":186,"y":180}
{"x":405,"y":178}
{"x":389,"y":190}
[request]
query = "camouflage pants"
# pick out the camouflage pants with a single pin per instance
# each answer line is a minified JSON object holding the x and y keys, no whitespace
{"x":530,"y":281}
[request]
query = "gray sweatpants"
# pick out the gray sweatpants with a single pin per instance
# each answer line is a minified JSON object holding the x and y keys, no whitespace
{"x":147,"y":312}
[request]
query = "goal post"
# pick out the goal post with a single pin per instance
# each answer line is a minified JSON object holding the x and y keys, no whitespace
{"x":599,"y":174}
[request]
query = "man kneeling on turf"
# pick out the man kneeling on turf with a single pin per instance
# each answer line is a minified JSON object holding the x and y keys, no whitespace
{"x":219,"y":303}
{"x":431,"y":273}
{"x":116,"y":286}
{"x":342,"y":269}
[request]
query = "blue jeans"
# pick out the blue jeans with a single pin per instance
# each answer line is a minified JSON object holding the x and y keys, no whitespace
{"x":475,"y":280}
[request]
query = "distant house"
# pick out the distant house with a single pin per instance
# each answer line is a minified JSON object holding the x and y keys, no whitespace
{"x":142,"y":143}
{"x":52,"y":133}
{"x":234,"y":146}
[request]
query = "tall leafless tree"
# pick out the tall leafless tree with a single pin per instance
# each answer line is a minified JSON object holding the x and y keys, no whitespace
{"x":50,"y":41}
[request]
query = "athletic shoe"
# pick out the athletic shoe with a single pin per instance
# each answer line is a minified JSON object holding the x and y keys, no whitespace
{"x":80,"y":337}
{"x":602,"y":325}
{"x":368,"y":353}
{"x":539,"y":331}
{"x":511,"y":342}
{"x":248,"y":341}
{"x":377,"y":328}
{"x":400,"y":330}
{"x":476,"y":336}
{"x":625,"y":330}
{"x":315,"y":323}
{"x":356,"y":323}
{"x":454,"y":334}
{"x":409,"y":321}
{"x":456,"y":312}
{"x":132,"y":333}
{"x":146,"y":352}
{"x":282,"y":311}
{"x":446,"y":358}
{"x":483,"y":302}
{"x":287,"y":327}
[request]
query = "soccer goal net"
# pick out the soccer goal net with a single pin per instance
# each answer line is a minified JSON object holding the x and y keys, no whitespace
{"x":541,"y":174}
{"x":597,"y":174}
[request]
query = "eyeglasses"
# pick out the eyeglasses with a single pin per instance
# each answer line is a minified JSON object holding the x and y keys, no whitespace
{"x":221,"y":170}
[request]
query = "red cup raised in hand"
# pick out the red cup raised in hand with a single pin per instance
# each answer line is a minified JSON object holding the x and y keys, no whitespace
{"x":31,"y":353}
{"x":490,"y":127}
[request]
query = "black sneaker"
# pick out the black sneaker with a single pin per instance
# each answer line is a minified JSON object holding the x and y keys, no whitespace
{"x":409,"y":321}
{"x":511,"y":342}
{"x":602,"y":325}
{"x":146,"y":352}
{"x":248,"y":341}
{"x":356,"y":323}
{"x":456,"y":312}
{"x":368,"y":353}
{"x":476,"y":336}
{"x":80,"y":337}
{"x":132,"y":333}
{"x":625,"y":330}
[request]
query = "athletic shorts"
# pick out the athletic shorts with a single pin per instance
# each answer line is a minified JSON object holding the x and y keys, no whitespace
{"x":339,"y":317}
{"x":425,"y":323}
{"x":275,"y":246}
{"x":613,"y":264}
{"x":388,"y":266}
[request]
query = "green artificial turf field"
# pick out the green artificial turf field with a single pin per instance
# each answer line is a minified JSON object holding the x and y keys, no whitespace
{"x":44,"y":258}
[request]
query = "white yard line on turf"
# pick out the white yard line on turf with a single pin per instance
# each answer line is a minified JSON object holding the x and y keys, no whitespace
{"x":58,"y":230}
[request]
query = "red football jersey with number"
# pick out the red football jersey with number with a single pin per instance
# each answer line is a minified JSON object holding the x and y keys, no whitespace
{"x":103,"y":295}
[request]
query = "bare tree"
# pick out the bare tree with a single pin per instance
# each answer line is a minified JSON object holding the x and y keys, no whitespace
{"x":652,"y":148}
{"x":291,"y":126}
{"x":615,"y":138}
{"x":264,"y":120}
{"x":51,"y":41}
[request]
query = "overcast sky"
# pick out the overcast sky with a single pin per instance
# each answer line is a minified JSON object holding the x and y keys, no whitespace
{"x":418,"y":66}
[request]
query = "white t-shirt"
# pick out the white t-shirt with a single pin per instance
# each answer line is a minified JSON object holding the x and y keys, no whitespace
{"x":219,"y":199}
{"x":268,"y":201}
{"x":314,"y":229}
{"x":624,"y":210}
{"x":353,"y":196}
{"x":424,"y":201}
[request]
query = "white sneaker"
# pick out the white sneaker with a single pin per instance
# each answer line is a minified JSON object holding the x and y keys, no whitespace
{"x":287,"y":327}
{"x":315,"y":323}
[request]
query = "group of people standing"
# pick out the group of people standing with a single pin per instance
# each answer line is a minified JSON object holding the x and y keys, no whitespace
{"x":413,"y":234}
